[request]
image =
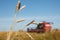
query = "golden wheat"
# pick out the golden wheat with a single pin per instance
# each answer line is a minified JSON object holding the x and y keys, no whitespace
{"x":21,"y":35}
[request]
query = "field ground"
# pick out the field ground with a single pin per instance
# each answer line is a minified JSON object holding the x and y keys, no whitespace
{"x":21,"y":35}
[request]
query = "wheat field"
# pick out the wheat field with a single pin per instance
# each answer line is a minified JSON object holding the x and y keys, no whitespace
{"x":21,"y":35}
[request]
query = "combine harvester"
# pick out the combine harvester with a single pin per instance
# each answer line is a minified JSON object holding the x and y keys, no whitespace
{"x":41,"y":27}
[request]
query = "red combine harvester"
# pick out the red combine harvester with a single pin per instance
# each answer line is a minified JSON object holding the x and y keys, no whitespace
{"x":41,"y":27}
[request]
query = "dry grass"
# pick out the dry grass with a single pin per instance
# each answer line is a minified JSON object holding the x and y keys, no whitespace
{"x":20,"y":35}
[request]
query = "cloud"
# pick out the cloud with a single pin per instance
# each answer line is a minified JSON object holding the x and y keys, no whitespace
{"x":5,"y":19}
{"x":6,"y":22}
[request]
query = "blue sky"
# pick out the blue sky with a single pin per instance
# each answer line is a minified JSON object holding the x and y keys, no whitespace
{"x":39,"y":10}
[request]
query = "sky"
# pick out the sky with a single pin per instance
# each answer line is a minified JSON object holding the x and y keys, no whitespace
{"x":38,"y":10}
